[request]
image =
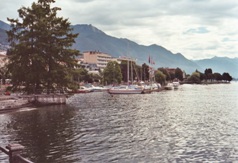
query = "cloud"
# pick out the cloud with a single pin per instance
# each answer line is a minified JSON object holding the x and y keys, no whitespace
{"x":191,"y":27}
{"x":199,"y":30}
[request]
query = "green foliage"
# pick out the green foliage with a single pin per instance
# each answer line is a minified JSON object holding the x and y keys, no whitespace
{"x":137,"y":71}
{"x":160,"y":77}
{"x":226,"y":76}
{"x":195,"y":78}
{"x":208,"y":74}
{"x":179,"y":74}
{"x":164,"y":71}
{"x":4,"y":74}
{"x":112,"y":73}
{"x":124,"y":72}
{"x":41,"y":54}
{"x":172,"y":76}
{"x":145,"y":72}
{"x":80,"y":75}
{"x":217,"y":76}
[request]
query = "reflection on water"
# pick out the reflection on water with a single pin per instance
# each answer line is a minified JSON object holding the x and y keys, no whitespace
{"x":193,"y":123}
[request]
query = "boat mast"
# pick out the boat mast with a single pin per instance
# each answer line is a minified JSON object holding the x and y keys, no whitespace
{"x":127,"y":64}
{"x":131,"y":72}
{"x":128,"y":71}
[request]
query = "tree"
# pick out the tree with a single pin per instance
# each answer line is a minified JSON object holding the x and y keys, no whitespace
{"x":138,"y":72}
{"x":179,"y":74}
{"x":145,"y":72}
{"x":164,"y":71}
{"x":194,"y":78}
{"x":40,"y":53}
{"x":160,"y":77}
{"x":112,"y":73}
{"x":217,"y":76}
{"x":226,"y":76}
{"x":172,"y":75}
{"x":95,"y":77}
{"x":80,"y":75}
{"x":3,"y":74}
{"x":133,"y":70}
{"x":123,"y":67}
{"x":208,"y":73}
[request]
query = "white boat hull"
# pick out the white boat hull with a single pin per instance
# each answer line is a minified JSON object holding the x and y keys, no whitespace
{"x":125,"y":91}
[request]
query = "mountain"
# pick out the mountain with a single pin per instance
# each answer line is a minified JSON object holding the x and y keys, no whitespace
{"x":221,"y":65}
{"x":4,"y":25}
{"x":3,"y":34}
{"x":91,"y":38}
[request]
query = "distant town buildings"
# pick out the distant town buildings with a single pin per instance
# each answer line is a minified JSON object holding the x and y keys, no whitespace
{"x":123,"y":58}
{"x":98,"y":58}
{"x":3,"y":58}
{"x":92,"y":61}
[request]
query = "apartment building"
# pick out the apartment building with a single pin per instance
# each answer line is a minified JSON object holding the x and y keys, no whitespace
{"x":98,"y":58}
{"x":3,"y":58}
{"x":124,"y":58}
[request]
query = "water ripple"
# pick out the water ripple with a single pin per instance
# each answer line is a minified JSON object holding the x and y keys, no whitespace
{"x":197,"y":123}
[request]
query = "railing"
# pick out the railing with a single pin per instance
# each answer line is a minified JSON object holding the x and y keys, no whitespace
{"x":14,"y":151}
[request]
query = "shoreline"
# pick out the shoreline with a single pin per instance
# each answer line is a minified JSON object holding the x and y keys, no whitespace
{"x":12,"y":103}
{"x":205,"y":82}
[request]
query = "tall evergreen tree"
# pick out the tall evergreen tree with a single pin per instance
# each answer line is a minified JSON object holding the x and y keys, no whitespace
{"x":41,"y":54}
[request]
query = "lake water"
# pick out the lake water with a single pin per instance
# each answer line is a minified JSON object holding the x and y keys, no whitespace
{"x":196,"y":123}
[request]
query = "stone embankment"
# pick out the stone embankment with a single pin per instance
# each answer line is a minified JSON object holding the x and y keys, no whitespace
{"x":8,"y":103}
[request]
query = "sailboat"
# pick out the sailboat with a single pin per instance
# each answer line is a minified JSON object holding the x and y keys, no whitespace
{"x":126,"y":89}
{"x":152,"y":86}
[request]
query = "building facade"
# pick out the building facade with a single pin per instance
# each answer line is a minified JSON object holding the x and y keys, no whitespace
{"x":98,"y":58}
{"x":3,"y":59}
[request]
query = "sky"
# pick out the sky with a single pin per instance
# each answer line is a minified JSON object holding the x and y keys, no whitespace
{"x":197,"y":29}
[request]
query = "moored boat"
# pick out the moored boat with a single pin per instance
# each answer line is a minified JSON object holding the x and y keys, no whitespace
{"x":151,"y":88}
{"x":83,"y":89}
{"x":123,"y":89}
{"x":98,"y":88}
{"x":176,"y":85}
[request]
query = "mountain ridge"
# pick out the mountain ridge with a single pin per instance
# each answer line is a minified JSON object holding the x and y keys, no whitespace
{"x":100,"y":41}
{"x":221,"y":64}
{"x":93,"y":39}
